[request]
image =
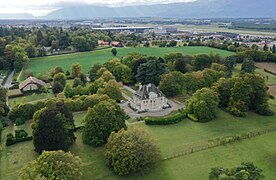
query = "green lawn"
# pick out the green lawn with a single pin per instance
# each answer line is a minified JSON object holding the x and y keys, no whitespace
{"x":29,"y":98}
{"x":171,"y":139}
{"x":87,"y":59}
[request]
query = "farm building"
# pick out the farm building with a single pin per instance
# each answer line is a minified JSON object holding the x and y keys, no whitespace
{"x":117,"y":44}
{"x":103,"y":43}
{"x":148,"y":98}
{"x":31,"y":84}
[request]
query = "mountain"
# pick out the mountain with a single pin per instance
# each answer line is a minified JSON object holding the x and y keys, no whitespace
{"x":196,"y":9}
{"x":17,"y":16}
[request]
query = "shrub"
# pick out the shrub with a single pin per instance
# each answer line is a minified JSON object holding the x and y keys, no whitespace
{"x":20,"y":134}
{"x":192,"y":117}
{"x":166,"y":120}
{"x":19,"y":122}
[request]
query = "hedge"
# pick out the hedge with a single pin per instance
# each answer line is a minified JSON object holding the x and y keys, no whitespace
{"x":11,"y":141}
{"x":166,"y":120}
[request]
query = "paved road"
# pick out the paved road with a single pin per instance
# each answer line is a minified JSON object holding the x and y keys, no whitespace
{"x":9,"y":80}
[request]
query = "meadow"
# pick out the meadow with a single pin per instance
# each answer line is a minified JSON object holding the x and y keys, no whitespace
{"x":87,"y":59}
{"x":170,"y":139}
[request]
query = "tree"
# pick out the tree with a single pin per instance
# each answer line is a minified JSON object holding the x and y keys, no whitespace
{"x":243,"y":171}
{"x":102,"y":119}
{"x":77,"y":82}
{"x":172,"y":43}
{"x":39,"y":38}
{"x":114,"y":51}
{"x":82,"y":43}
{"x":19,"y":58}
{"x":131,"y":151}
{"x":53,"y":165}
{"x":53,"y":127}
{"x":265,"y":47}
{"x":61,"y":78}
{"x":76,"y":70}
{"x":93,"y":72}
{"x":169,"y":86}
{"x":150,"y":72}
{"x":57,"y":87}
{"x":4,"y":109}
{"x":248,"y":66}
{"x":274,"y":49}
{"x":112,"y":90}
{"x":223,"y":89}
{"x":203,"y":104}
{"x":201,"y":62}
{"x":229,"y":63}
{"x":55,"y":71}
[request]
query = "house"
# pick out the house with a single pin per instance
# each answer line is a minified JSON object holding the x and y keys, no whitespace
{"x":148,"y":98}
{"x":116,"y":44}
{"x":31,"y":84}
{"x":48,"y":50}
{"x":103,"y":43}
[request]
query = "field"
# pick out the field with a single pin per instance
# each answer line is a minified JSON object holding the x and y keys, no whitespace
{"x":29,"y":98}
{"x":171,"y":139}
{"x":269,"y":66}
{"x":87,"y":59}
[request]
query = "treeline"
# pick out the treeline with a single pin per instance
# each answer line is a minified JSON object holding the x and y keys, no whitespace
{"x":17,"y":45}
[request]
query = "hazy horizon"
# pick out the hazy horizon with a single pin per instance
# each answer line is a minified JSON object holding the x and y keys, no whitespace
{"x":43,"y":7}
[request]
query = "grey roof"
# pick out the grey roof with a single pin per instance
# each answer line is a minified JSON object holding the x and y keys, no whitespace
{"x":144,"y":91}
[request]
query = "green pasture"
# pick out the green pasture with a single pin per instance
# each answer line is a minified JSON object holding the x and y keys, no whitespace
{"x":171,"y":139}
{"x":87,"y":59}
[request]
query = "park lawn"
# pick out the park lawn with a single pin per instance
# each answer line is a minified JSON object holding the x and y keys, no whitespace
{"x":173,"y":139}
{"x":87,"y":59}
{"x":170,"y":139}
{"x":29,"y":98}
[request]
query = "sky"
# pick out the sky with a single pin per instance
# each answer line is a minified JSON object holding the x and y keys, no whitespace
{"x":43,"y":7}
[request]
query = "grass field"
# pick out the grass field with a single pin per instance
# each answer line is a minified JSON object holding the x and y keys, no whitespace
{"x":29,"y":98}
{"x":87,"y":59}
{"x":171,"y":139}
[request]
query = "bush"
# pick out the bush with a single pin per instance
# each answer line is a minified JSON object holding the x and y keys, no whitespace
{"x":166,"y":120}
{"x":268,"y":71}
{"x":10,"y":142}
{"x":19,"y":122}
{"x":20,"y":134}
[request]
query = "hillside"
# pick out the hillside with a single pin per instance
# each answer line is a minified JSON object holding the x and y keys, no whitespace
{"x":196,"y":9}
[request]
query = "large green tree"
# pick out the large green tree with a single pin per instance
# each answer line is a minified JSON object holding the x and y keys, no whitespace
{"x":203,"y":105}
{"x":131,"y":151}
{"x":201,"y":62}
{"x":248,"y":66}
{"x":150,"y":72}
{"x":53,"y":165}
{"x":53,"y":127}
{"x":169,"y":86}
{"x":102,"y":119}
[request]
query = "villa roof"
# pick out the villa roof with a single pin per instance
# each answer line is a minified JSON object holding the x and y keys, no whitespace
{"x":31,"y":80}
{"x":144,"y":91}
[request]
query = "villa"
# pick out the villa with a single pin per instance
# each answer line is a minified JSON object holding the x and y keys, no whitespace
{"x":148,"y":98}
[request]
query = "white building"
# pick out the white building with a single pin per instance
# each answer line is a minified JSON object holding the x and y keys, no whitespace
{"x":148,"y":98}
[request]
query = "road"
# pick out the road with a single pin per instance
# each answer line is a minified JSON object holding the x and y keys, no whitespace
{"x":9,"y":80}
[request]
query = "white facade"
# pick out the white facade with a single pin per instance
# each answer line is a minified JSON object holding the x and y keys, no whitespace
{"x":152,"y":101}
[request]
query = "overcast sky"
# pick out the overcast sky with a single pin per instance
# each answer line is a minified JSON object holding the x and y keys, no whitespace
{"x":42,"y":7}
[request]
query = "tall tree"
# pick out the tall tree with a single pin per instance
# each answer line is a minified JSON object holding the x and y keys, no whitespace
{"x":201,"y":62}
{"x":104,"y":118}
{"x":150,"y":72}
{"x":248,"y":66}
{"x":53,"y":127}
{"x":76,"y":70}
{"x":131,"y":151}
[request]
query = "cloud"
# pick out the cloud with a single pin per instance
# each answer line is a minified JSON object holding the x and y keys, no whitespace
{"x":42,"y":7}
